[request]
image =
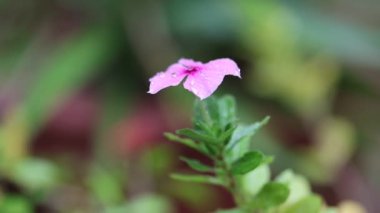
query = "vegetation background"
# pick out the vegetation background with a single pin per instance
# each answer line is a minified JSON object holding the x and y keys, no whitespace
{"x":79,"y":133}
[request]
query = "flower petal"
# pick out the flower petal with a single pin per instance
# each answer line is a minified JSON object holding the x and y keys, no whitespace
{"x":224,"y":66}
{"x":171,"y":77}
{"x":205,"y":81}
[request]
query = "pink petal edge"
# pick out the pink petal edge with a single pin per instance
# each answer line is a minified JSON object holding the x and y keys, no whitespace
{"x":171,"y":77}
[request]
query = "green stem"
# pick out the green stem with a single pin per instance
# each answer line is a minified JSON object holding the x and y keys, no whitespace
{"x":233,"y":187}
{"x":231,"y":183}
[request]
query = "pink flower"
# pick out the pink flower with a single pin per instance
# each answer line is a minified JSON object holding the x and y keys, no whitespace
{"x":201,"y":79}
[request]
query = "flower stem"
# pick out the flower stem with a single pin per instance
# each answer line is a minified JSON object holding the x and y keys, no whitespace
{"x":231,"y":183}
{"x":233,"y":186}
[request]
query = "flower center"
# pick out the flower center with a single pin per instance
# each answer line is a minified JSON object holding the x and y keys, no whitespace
{"x":191,"y":70}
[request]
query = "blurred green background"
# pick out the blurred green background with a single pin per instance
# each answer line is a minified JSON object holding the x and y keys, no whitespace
{"x":79,"y":133}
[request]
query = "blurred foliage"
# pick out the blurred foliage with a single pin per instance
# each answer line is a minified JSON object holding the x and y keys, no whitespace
{"x":79,"y":134}
{"x":67,"y":69}
{"x":303,"y":82}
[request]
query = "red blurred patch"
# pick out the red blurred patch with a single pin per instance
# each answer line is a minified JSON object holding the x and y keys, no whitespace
{"x":144,"y":127}
{"x":70,"y":128}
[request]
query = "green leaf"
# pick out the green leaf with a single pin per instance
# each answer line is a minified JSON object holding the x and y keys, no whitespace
{"x":211,"y":149}
{"x":105,"y":185}
{"x":226,"y":135}
{"x":330,"y":210}
{"x":141,"y":204}
{"x":197,"y":165}
{"x":206,"y":111}
{"x":247,"y":163}
{"x":185,"y":141}
{"x":254,"y":180}
{"x":227,"y":110}
{"x":214,"y":115}
{"x":238,"y":150}
{"x":37,"y":174}
{"x":215,"y":112}
{"x":271,"y":195}
{"x":167,"y":159}
{"x":117,"y":209}
{"x":196,"y":135}
{"x":199,"y":125}
{"x":242,"y":132}
{"x":194,"y":194}
{"x":309,"y":204}
{"x":15,"y":204}
{"x":268,"y":160}
{"x":197,"y":178}
{"x":151,"y":203}
{"x":298,"y":185}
